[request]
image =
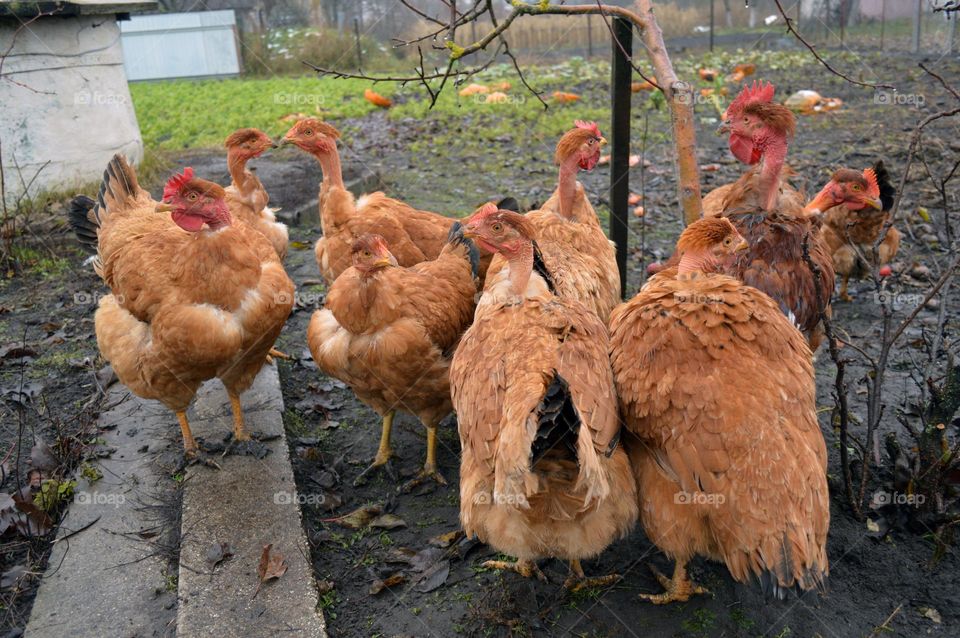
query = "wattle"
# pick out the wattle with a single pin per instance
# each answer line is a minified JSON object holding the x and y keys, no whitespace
{"x":190,"y":223}
{"x":744,"y":150}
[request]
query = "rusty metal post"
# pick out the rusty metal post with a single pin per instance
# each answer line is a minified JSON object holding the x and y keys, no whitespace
{"x":620,"y":93}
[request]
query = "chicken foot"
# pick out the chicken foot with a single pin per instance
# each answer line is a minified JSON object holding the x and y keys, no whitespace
{"x":577,"y":580}
{"x":384,"y":453}
{"x":679,"y":588}
{"x":844,"y":295}
{"x":429,"y":470}
{"x":279,"y":355}
{"x":526,"y":568}
{"x":242,"y":444}
{"x":191,"y":451}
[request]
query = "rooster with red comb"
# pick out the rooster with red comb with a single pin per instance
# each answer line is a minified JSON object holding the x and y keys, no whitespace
{"x":194,"y":296}
{"x":770,"y":214}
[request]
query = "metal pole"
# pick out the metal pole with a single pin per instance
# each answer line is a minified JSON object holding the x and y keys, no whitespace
{"x":883,"y":21}
{"x":356,"y":32}
{"x":711,"y":24}
{"x":589,"y":37}
{"x":620,"y":76}
{"x":916,"y":27}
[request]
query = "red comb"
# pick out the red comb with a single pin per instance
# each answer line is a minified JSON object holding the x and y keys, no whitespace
{"x":753,"y":94}
{"x":487,"y":209}
{"x":175,"y":183}
{"x":590,"y":126}
{"x":873,"y":188}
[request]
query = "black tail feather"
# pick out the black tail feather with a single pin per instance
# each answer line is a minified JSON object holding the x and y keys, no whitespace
{"x":541,"y":268}
{"x":887,"y":191}
{"x":456,"y":236}
{"x":85,"y":221}
{"x":559,"y":422}
{"x":509,"y":203}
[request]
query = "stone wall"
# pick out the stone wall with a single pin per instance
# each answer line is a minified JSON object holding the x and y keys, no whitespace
{"x":65,"y":108}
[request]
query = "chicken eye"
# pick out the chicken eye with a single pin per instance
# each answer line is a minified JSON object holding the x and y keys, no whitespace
{"x":192,"y":197}
{"x":308,"y":132}
{"x":591,"y":141}
{"x":367,"y":253}
{"x":497,"y":227}
{"x":857,"y":187}
{"x":727,"y":241}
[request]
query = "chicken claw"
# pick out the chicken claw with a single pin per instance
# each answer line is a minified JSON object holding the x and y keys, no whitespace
{"x":429,"y":470}
{"x":279,"y":355}
{"x":384,"y":454}
{"x":679,"y":588}
{"x":577,"y":581}
{"x":526,"y":568}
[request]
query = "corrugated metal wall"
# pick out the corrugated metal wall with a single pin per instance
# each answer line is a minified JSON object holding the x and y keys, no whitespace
{"x":180,"y":45}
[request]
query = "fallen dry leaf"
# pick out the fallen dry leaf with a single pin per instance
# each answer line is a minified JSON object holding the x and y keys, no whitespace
{"x":387,"y":521}
{"x":633,"y":199}
{"x":390,"y":581}
{"x":272,"y":565}
{"x":473,"y":89}
{"x":446,"y":540}
{"x":376,"y":99}
{"x":565,"y":98}
{"x":217,"y":553}
{"x":358,"y":518}
{"x":710,"y":168}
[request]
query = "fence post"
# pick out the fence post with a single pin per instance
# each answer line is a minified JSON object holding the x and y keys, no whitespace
{"x":589,"y":37}
{"x":621,"y":73}
{"x":883,"y":21}
{"x":356,"y":33}
{"x":916,"y":26}
{"x":711,"y":24}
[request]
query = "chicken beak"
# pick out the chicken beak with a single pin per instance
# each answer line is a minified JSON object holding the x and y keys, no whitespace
{"x":469,"y":232}
{"x":163,"y":208}
{"x":723,"y":129}
{"x":743,"y":245}
{"x":285,"y":141}
{"x":384,"y":262}
{"x":603,"y":141}
{"x":873,"y":202}
{"x":275,"y":144}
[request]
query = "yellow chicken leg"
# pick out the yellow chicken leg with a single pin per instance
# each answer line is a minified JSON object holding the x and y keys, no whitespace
{"x":190,"y":449}
{"x":239,"y":430}
{"x":429,"y":470}
{"x":526,"y":568}
{"x":578,"y":580}
{"x":844,"y":295}
{"x":679,"y":588}
{"x":279,"y":355}
{"x":384,"y":452}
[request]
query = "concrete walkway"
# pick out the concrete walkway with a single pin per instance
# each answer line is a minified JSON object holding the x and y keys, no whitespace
{"x":103,"y":580}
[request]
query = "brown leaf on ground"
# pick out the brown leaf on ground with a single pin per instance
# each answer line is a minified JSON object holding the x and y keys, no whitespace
{"x":272,"y":565}
{"x":390,"y":581}
{"x":446,"y":540}
{"x":358,"y":518}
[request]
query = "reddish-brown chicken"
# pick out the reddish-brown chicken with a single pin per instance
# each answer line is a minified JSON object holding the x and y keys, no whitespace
{"x":771,"y":217}
{"x":413,"y":235}
{"x":580,"y":258}
{"x":859,"y":206}
{"x":389,"y":332}
{"x":246,"y":197}
{"x":542,"y":473}
{"x":728,"y":467}
{"x":194,"y":295}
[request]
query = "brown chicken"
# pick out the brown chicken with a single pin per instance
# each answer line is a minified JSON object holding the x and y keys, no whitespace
{"x":771,"y":217}
{"x":858,"y":207}
{"x":194,"y":295}
{"x":413,"y":235}
{"x":389,"y":333}
{"x":731,"y":468}
{"x":246,"y":197}
{"x":541,"y":473}
{"x":581,"y":260}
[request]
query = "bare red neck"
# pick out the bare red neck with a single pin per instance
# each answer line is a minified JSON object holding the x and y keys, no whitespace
{"x":330,"y":164}
{"x":521,"y":267}
{"x":694,"y":261}
{"x":774,"y":155}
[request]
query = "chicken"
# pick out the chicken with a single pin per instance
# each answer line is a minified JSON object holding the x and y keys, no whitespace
{"x":772,"y":218}
{"x":413,"y":235}
{"x":389,"y":332}
{"x":194,"y":295}
{"x":246,"y":197}
{"x":859,"y":206}
{"x":731,"y":468}
{"x":581,"y":260}
{"x":541,"y":473}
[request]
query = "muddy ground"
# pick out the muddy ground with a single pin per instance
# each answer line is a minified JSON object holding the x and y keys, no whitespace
{"x":893,"y":580}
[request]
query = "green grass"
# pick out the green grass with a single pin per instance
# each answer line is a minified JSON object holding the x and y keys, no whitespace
{"x":182,"y":114}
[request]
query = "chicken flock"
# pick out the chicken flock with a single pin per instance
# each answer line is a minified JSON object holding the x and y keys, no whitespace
{"x":578,"y":415}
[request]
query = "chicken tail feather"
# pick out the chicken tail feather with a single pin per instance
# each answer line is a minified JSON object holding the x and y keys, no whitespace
{"x":119,"y":187}
{"x":457,"y":238}
{"x":509,"y":203}
{"x":558,"y":425}
{"x":85,"y":220}
{"x":887,"y":191}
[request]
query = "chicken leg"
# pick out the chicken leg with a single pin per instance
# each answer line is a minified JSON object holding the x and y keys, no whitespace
{"x":191,"y":451}
{"x":577,"y":580}
{"x":844,"y":295}
{"x":279,"y":355}
{"x":429,"y":470}
{"x":526,"y":568}
{"x":243,"y":443}
{"x":384,"y":453}
{"x":679,"y":588}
